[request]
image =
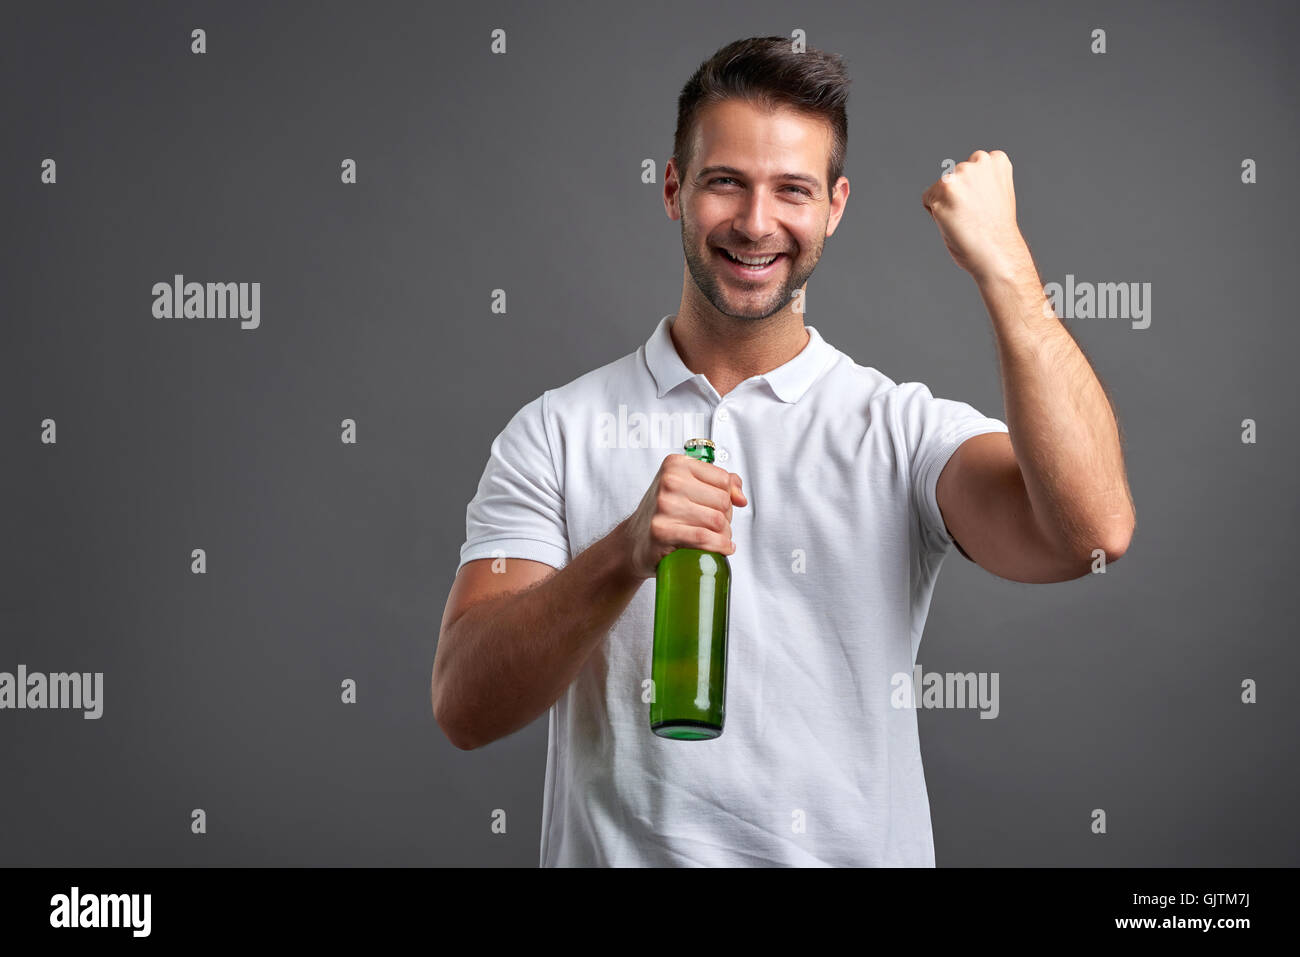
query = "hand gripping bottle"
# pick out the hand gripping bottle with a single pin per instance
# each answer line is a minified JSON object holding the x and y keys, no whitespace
{"x":689,"y":663}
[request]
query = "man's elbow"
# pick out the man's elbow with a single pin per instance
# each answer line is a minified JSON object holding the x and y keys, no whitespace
{"x":1116,"y":546}
{"x":1080,"y":556}
{"x":452,"y":730}
{"x":1116,"y":542}
{"x":1104,"y":541}
{"x":458,"y":741}
{"x":447,"y":722}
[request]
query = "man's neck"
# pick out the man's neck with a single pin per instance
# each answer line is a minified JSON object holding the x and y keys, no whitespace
{"x":729,"y":351}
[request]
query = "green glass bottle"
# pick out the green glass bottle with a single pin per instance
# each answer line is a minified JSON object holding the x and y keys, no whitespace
{"x":689,"y":664}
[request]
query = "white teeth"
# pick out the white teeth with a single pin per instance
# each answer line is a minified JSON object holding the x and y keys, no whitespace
{"x":752,"y":260}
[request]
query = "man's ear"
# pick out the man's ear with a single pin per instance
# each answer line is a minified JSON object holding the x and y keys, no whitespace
{"x":673,"y":205}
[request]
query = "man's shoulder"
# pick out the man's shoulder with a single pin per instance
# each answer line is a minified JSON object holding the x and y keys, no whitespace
{"x":626,"y":373}
{"x":892,"y":403}
{"x":876,"y":386}
{"x":623,"y":376}
{"x":865,"y":383}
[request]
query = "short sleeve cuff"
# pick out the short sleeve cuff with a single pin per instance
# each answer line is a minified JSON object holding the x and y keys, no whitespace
{"x":932,"y":518}
{"x":557,"y":556}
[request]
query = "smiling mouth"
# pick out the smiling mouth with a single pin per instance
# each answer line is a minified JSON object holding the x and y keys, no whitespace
{"x":756,"y":265}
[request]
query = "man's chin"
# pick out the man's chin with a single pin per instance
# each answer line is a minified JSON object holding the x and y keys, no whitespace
{"x":734,"y":310}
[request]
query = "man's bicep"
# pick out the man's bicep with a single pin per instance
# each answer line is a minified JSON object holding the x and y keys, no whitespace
{"x":483,"y":578}
{"x":983,"y":502}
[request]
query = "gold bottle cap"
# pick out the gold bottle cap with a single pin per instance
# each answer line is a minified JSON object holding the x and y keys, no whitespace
{"x":708,"y":442}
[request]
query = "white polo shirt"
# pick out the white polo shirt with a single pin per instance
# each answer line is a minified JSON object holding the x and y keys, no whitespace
{"x":836,"y":558}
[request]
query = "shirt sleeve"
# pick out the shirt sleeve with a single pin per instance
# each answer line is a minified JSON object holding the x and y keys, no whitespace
{"x":933,"y":429}
{"x":518,"y":510}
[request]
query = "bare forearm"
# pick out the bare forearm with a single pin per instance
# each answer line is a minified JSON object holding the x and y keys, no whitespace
{"x":509,"y":658}
{"x":1061,"y":424}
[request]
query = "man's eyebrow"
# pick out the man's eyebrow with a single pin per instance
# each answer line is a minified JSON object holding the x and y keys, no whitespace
{"x":732,"y":171}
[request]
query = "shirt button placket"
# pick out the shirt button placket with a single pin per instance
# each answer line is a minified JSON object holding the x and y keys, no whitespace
{"x":722,"y":416}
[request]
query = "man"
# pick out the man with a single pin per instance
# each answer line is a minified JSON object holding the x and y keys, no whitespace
{"x":836,"y":493}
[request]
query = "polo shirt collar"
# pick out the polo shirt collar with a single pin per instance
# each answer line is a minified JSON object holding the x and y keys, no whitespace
{"x":789,"y":381}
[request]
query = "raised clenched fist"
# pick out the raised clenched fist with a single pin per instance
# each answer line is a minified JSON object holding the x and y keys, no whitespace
{"x":974,"y":207}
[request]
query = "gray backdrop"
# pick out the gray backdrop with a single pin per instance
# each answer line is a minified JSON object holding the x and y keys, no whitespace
{"x":329,"y":561}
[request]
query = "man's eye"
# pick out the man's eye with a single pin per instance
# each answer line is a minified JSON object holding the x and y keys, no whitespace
{"x":728,"y":179}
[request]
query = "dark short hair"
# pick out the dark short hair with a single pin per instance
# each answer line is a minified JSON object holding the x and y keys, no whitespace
{"x":764,"y":71}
